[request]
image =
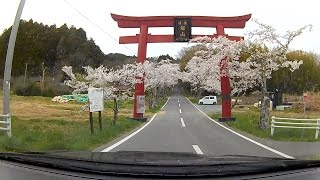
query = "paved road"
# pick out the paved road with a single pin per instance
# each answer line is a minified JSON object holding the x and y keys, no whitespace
{"x":209,"y":109}
{"x":181,"y":127}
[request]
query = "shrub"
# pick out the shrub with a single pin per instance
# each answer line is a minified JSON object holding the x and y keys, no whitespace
{"x":52,"y":87}
{"x":28,"y":90}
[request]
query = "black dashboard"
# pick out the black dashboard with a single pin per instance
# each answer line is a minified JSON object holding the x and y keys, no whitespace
{"x":18,"y":171}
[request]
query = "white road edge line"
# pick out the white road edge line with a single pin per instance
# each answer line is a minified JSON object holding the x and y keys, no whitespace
{"x":180,"y":111}
{"x":182,"y":122}
{"x":244,"y":137}
{"x":128,"y":137}
{"x":197,"y":149}
{"x":165,"y":103}
{"x":134,"y":133}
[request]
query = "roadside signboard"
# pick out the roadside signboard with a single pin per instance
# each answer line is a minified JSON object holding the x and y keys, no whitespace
{"x":95,"y":99}
{"x":140,"y":104}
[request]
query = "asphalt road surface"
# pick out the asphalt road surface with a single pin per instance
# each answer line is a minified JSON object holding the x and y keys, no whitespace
{"x":181,"y":127}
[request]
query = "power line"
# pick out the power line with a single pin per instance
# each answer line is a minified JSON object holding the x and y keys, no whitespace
{"x":96,"y":25}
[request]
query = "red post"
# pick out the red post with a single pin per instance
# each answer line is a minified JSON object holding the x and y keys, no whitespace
{"x":225,"y":84}
{"x":225,"y":92}
{"x":142,"y":54}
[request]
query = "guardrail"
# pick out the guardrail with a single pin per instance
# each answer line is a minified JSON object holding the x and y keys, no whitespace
{"x":6,"y":123}
{"x":301,"y":124}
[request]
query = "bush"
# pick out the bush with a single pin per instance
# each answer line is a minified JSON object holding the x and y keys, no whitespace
{"x":28,"y":90}
{"x":48,"y":92}
{"x":31,"y":87}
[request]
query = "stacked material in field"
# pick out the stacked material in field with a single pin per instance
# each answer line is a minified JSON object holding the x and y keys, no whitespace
{"x":59,"y":99}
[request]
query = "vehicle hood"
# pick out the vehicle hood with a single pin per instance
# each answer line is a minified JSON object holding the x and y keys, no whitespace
{"x":157,"y":164}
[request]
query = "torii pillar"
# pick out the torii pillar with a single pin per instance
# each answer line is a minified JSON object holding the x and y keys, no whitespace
{"x":180,"y":35}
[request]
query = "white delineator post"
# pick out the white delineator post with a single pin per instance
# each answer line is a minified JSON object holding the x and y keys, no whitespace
{"x":272,"y":124}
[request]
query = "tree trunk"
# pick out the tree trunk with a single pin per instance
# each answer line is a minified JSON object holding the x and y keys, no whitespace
{"x":155,"y":98}
{"x":265,"y":104}
{"x":199,"y":91}
{"x":157,"y":95}
{"x":150,"y":102}
{"x":115,"y":111}
{"x":264,"y":114}
{"x":25,"y":75}
{"x":236,"y":101}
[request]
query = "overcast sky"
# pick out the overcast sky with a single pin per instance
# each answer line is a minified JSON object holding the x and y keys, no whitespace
{"x":283,"y":15}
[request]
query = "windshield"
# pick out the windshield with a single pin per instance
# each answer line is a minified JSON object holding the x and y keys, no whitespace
{"x":213,"y":79}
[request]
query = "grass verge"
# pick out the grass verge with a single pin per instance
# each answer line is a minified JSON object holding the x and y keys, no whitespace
{"x":41,"y":133}
{"x":193,"y":99}
{"x":248,"y":121}
{"x":47,"y":135}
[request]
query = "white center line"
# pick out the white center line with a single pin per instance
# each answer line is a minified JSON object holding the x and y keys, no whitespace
{"x":182,"y":122}
{"x":179,"y":104}
{"x":197,"y":149}
{"x":178,"y":100}
{"x":180,"y":110}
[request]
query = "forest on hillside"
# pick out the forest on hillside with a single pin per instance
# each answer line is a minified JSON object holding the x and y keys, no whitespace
{"x":40,"y":46}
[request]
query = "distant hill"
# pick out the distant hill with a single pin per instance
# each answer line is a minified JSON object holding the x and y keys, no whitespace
{"x":54,"y":47}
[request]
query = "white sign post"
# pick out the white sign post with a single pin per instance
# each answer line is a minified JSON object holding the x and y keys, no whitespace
{"x":140,"y":104}
{"x":95,"y":99}
{"x":305,"y":99}
{"x":96,"y":105}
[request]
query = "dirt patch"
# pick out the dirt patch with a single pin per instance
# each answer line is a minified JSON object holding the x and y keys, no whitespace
{"x":34,"y":107}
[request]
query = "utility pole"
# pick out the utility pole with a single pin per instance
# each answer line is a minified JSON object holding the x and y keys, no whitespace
{"x":43,"y":72}
{"x":25,"y":75}
{"x":8,"y":67}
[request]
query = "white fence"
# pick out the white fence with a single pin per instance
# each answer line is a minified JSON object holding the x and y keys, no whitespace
{"x":294,"y":123}
{"x":6,"y":123}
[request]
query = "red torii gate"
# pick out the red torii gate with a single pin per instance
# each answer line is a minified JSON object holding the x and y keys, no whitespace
{"x":169,"y":21}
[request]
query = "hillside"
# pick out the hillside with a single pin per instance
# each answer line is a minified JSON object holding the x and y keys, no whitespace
{"x":52,"y":47}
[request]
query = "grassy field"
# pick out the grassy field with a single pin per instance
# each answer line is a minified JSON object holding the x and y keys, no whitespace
{"x":248,"y":121}
{"x":41,"y":125}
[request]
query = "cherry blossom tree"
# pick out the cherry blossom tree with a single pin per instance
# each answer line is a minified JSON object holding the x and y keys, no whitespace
{"x":202,"y":74}
{"x":119,"y":84}
{"x":158,"y":76}
{"x":116,"y":84}
{"x":203,"y":70}
{"x":269,"y":58}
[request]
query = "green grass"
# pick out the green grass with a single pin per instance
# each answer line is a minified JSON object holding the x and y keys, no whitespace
{"x":248,"y":121}
{"x":46,"y":135}
{"x":193,"y":99}
{"x":158,"y":107}
{"x":53,"y":134}
{"x":123,"y":104}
